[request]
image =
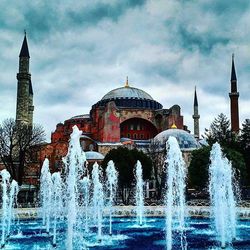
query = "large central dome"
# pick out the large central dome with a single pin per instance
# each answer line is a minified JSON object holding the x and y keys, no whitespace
{"x":127,"y":92}
{"x":129,"y":97}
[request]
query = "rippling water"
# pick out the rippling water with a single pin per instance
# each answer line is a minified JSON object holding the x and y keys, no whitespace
{"x":29,"y":235}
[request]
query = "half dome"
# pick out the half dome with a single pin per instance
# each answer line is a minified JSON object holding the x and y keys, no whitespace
{"x":93,"y":155}
{"x":185,"y":139}
{"x":127,"y":92}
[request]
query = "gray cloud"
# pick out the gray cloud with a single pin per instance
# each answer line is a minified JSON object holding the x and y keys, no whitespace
{"x":43,"y":17}
{"x":203,"y":42}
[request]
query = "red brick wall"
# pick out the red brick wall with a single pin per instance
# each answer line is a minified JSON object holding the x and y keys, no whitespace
{"x":110,"y":131}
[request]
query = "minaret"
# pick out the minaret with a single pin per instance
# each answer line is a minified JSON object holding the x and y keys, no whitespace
{"x":196,"y":117}
{"x":24,"y":108}
{"x":31,"y":106}
{"x":234,"y":95}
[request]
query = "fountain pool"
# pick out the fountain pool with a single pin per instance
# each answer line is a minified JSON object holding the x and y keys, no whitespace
{"x":127,"y":235}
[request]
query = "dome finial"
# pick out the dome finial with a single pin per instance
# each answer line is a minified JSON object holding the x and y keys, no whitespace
{"x":126,"y":84}
{"x":173,"y":125}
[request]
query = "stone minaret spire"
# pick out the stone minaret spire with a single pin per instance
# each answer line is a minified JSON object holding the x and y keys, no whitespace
{"x":196,"y":117}
{"x":24,"y":107}
{"x":234,"y":95}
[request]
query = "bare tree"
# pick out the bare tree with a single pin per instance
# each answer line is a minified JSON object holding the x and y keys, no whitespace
{"x":16,"y":142}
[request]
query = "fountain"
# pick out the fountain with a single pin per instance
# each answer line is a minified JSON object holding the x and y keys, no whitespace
{"x":57,"y":202}
{"x":112,"y":178}
{"x":222,"y":196}
{"x":139,"y":193}
{"x":85,"y":192}
{"x":12,"y":201}
{"x":9,"y":198}
{"x":75,"y":169}
{"x":175,"y":194}
{"x":5,"y":200}
{"x":45,"y":194}
{"x":97,"y":199}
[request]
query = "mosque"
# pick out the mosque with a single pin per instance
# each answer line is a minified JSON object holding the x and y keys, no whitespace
{"x":125,"y":116}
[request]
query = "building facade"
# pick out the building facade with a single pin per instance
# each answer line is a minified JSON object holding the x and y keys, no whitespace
{"x":123,"y":115}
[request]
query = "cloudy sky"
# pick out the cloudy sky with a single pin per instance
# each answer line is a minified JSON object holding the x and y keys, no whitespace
{"x":80,"y":51}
